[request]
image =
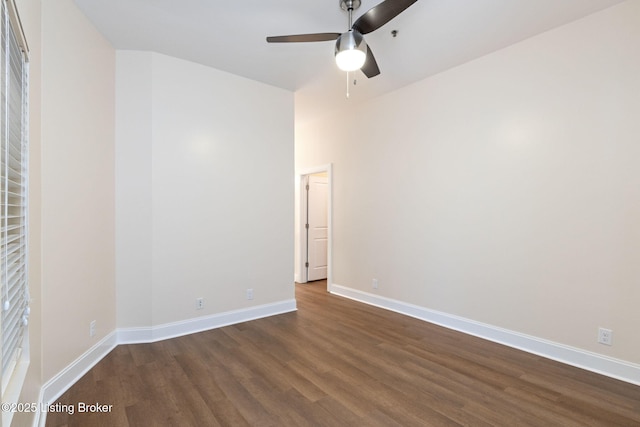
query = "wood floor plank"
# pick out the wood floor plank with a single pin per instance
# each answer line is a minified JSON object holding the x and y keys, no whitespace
{"x":336,"y":362}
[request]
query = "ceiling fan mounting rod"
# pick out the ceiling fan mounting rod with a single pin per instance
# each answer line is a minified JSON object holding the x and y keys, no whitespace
{"x":350,"y":6}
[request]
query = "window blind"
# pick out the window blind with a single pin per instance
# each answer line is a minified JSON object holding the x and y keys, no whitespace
{"x":13,"y":235}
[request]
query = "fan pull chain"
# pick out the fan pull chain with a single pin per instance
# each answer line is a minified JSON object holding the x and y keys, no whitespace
{"x":347,"y":85}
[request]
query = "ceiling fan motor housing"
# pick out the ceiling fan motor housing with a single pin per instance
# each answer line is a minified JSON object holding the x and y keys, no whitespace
{"x":351,"y":50}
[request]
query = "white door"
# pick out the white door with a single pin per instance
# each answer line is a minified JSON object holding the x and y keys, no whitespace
{"x":317,"y":220}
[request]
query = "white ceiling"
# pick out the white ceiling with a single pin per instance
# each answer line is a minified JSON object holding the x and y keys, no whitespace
{"x":433,"y":35}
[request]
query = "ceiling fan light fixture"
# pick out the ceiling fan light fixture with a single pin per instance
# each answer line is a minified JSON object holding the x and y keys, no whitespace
{"x":351,"y":51}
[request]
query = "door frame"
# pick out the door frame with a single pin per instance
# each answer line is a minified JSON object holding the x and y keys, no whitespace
{"x":302,"y":213}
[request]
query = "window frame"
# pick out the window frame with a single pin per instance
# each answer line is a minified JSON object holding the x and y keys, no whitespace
{"x":14,"y":233}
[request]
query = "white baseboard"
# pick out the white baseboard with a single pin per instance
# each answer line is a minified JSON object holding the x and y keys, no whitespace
{"x":60,"y":383}
{"x":57,"y":385}
{"x":199,"y":324}
{"x":614,"y":368}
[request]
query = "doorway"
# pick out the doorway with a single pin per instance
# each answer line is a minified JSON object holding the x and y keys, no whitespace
{"x":314,"y":228}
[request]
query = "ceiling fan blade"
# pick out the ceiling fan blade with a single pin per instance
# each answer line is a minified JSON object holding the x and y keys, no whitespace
{"x":370,"y":67}
{"x":318,"y":37}
{"x":379,"y":15}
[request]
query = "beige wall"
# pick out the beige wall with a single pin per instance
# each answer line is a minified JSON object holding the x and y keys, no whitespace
{"x":505,"y":190}
{"x":204,"y":190}
{"x":134,"y":187}
{"x":78,"y":209}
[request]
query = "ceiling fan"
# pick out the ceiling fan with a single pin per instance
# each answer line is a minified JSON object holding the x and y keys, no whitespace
{"x":352,"y":52}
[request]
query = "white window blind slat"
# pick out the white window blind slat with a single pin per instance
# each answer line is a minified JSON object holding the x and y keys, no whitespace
{"x":14,"y":273}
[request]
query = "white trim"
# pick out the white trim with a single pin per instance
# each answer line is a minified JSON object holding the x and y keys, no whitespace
{"x":300,"y":175}
{"x":303,"y":245}
{"x":608,"y":366}
{"x":14,"y":387}
{"x":40,"y":419}
{"x":204,"y":323}
{"x":60,"y":383}
{"x":57,"y":385}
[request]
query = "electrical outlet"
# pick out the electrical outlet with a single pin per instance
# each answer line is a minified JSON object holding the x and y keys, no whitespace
{"x":249,"y":293}
{"x":374,"y":283}
{"x":605,"y":336}
{"x":199,"y":303}
{"x":92,"y":329}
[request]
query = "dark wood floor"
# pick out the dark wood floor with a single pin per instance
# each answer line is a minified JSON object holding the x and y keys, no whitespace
{"x":336,"y":362}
